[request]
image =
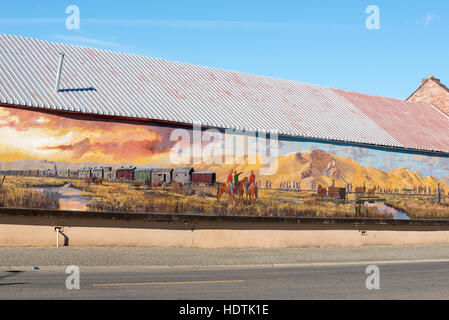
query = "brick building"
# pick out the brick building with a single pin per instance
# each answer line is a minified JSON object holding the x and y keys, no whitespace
{"x":433,"y":92}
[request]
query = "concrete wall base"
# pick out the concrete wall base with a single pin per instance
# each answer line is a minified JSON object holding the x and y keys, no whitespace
{"x":306,"y":236}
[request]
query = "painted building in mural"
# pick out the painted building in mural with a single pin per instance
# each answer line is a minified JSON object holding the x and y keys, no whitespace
{"x":210,"y":141}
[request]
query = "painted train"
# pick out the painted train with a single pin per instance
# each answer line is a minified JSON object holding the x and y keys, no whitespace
{"x":125,"y":174}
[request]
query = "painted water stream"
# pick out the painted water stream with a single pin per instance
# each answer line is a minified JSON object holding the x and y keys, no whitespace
{"x":69,"y":197}
{"x":382,"y":207}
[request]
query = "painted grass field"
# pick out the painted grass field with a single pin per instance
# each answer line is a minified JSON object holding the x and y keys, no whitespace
{"x":419,"y":207}
{"x":18,"y":192}
{"x":122,"y":197}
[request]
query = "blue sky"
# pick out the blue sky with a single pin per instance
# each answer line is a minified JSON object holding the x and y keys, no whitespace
{"x":320,"y":42}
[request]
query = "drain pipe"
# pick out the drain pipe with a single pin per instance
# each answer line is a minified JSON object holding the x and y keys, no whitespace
{"x":58,"y":75}
{"x":58,"y":229}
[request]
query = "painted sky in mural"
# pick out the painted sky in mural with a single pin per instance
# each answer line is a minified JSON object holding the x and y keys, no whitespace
{"x":34,"y":135}
{"x":382,"y":160}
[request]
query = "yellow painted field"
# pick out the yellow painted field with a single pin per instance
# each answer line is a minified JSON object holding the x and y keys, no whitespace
{"x":133,"y":197}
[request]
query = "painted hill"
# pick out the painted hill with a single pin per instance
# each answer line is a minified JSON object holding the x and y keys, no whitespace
{"x":322,"y":167}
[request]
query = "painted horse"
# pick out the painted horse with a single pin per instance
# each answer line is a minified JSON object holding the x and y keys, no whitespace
{"x":321,"y":192}
{"x":253,"y":192}
{"x":155,"y":185}
{"x":224,"y":188}
{"x":177,"y":186}
{"x":238,"y":190}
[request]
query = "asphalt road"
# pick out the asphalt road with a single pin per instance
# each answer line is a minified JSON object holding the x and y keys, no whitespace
{"x":409,"y":280}
{"x":408,"y":272}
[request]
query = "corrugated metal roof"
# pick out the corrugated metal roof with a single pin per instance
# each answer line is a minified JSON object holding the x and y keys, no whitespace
{"x":114,"y":84}
{"x":415,"y":126}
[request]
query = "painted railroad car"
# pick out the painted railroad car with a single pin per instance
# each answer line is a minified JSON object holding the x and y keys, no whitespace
{"x":108,"y":174}
{"x":34,"y":173}
{"x":183,"y":175}
{"x":208,"y":178}
{"x":163,"y":175}
{"x":63,"y":173}
{"x":85,"y":173}
{"x":143,"y":174}
{"x":98,"y":173}
{"x":74,"y":174}
{"x":125,"y":173}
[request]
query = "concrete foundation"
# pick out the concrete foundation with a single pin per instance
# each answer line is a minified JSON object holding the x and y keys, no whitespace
{"x":195,"y":232}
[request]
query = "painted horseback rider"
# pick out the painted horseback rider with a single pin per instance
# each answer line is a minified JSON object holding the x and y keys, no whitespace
{"x":233,"y":180}
{"x":236,"y":177}
{"x":252,"y":179}
{"x":230,"y":180}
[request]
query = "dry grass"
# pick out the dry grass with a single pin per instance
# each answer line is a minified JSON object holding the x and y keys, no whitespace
{"x":202,"y":200}
{"x":419,"y":207}
{"x":123,"y":197}
{"x":16,"y":192}
{"x":28,"y":198}
{"x":29,"y":182}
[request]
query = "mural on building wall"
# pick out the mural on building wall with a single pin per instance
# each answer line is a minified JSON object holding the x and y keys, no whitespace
{"x":55,"y":162}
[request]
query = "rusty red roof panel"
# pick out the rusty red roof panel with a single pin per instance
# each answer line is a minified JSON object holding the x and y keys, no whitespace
{"x":415,"y":126}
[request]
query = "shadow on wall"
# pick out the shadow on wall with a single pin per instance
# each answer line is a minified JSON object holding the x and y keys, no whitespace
{"x":66,"y":239}
{"x":60,"y":231}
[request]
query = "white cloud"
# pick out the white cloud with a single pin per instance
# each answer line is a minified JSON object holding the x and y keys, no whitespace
{"x":429,"y":19}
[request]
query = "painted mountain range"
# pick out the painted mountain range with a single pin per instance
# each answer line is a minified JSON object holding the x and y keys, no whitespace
{"x":322,"y":167}
{"x":306,"y":167}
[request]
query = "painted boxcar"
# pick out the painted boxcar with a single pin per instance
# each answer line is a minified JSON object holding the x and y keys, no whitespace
{"x":208,"y":178}
{"x":74,"y":174}
{"x":125,"y":173}
{"x":183,"y":175}
{"x":108,"y":174}
{"x":143,"y":174}
{"x":63,"y":173}
{"x":163,"y":175}
{"x":85,"y":173}
{"x":98,"y":173}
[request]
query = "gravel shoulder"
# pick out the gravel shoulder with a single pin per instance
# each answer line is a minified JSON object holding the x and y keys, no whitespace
{"x":181,"y":257}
